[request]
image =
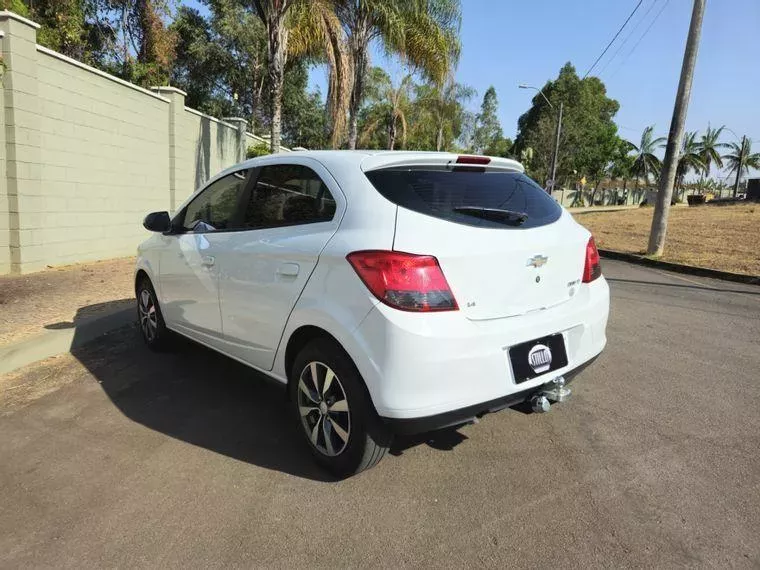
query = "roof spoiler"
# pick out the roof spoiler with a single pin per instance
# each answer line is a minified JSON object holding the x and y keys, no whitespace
{"x":440,"y":160}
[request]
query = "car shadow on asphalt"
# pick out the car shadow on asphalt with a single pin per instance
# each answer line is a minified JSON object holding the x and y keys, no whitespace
{"x":198,"y":396}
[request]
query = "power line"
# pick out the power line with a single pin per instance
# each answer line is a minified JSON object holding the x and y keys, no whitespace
{"x":628,"y":19}
{"x":628,"y":37}
{"x":657,"y":16}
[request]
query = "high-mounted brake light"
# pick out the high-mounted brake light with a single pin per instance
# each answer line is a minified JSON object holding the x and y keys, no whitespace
{"x":466,"y":159}
{"x":593,"y":268}
{"x":403,"y":280}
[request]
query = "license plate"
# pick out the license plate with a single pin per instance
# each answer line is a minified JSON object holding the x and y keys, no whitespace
{"x":537,"y":357}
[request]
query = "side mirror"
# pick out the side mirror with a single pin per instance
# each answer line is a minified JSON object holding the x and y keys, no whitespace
{"x":157,"y":222}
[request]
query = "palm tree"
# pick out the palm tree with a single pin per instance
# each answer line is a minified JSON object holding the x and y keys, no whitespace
{"x":313,"y":27}
{"x":741,"y":160}
{"x":444,"y":105}
{"x":316,"y":32}
{"x":689,"y":159}
{"x":424,"y":32}
{"x":393,"y":105}
{"x":708,"y":149}
{"x":644,"y":160}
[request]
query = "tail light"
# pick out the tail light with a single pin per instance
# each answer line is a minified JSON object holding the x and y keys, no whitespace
{"x":403,"y":280}
{"x":593,"y":268}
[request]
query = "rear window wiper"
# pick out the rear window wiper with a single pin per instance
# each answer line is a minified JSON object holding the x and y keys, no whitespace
{"x":493,"y":214}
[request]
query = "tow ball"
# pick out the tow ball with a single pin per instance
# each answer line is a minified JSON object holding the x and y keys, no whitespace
{"x":554,"y":391}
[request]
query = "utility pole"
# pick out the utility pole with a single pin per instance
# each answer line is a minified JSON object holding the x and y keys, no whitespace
{"x":675,"y":136}
{"x":739,"y":168}
{"x":556,"y":149}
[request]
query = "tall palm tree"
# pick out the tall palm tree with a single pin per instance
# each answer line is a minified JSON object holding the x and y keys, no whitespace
{"x":708,"y":149}
{"x":313,"y":26}
{"x":425,"y":33}
{"x":689,"y":159}
{"x":645,"y":162}
{"x":741,"y":160}
{"x":393,"y":105}
{"x":316,"y":32}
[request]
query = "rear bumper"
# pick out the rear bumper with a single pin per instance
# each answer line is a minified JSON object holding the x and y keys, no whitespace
{"x":424,"y":365}
{"x":412,"y":426}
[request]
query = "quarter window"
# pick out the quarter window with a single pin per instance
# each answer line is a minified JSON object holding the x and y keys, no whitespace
{"x":288,"y":194}
{"x":216,"y":207}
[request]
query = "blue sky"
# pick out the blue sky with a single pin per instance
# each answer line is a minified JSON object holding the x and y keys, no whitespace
{"x":508,"y":42}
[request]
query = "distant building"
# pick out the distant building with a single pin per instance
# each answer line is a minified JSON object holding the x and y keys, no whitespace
{"x":753,"y":189}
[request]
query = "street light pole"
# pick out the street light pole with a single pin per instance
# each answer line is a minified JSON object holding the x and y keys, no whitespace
{"x":555,"y":154}
{"x":556,"y":149}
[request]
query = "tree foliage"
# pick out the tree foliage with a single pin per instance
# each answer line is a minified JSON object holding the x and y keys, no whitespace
{"x":589,"y":134}
{"x":438,"y":115}
{"x":487,"y":128}
{"x":409,"y":115}
{"x":645,"y":161}
{"x":709,"y":148}
{"x":425,"y":33}
{"x":741,"y":159}
{"x":389,"y":107}
{"x":689,"y":159}
{"x":221,"y":60}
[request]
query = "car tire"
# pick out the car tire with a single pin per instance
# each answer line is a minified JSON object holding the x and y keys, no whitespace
{"x":149,"y":317}
{"x":335,"y":415}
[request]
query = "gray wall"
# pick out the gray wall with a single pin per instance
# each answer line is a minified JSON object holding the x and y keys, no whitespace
{"x":84,"y":155}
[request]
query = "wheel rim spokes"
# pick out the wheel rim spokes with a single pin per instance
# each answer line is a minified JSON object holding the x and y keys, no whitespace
{"x":148,"y":314}
{"x":324,"y":409}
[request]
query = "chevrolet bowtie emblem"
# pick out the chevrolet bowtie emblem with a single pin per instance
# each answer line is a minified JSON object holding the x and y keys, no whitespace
{"x":538,"y":261}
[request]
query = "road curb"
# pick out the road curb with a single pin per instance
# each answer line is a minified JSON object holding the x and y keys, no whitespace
{"x":54,"y":342}
{"x":679,"y":268}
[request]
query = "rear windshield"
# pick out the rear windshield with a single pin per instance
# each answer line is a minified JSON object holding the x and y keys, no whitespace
{"x":508,"y":200}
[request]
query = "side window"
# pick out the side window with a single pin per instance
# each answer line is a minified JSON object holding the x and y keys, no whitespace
{"x":286,"y":195}
{"x":215,"y":207}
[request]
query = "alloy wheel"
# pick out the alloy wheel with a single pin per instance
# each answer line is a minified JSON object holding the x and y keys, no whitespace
{"x":323,"y":407}
{"x":148,"y":315}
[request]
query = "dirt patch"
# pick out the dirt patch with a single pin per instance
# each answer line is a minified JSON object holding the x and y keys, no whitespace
{"x":57,"y":298}
{"x":718,"y":237}
{"x":28,"y":384}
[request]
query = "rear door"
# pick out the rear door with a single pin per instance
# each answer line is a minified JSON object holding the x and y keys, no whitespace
{"x":505,"y":246}
{"x":289,"y":214}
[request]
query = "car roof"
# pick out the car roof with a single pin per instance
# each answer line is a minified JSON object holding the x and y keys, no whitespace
{"x":373,"y":159}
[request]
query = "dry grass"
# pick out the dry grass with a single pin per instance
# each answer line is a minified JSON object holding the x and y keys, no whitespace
{"x":718,"y":237}
{"x":57,"y":298}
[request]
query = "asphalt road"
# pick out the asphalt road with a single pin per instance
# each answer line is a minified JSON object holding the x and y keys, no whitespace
{"x":119,"y":457}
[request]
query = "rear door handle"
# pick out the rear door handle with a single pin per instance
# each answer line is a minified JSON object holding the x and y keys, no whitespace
{"x":208,"y":261}
{"x":288,"y":269}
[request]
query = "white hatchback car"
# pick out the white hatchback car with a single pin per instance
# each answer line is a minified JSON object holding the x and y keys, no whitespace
{"x":392,"y":292}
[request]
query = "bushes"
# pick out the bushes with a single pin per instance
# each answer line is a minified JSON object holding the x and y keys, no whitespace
{"x":259,"y":149}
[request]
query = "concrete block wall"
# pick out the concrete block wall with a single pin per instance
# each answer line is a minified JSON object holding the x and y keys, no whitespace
{"x":84,"y":155}
{"x":205,"y":146}
{"x":104,"y":162}
{"x":5,"y":252}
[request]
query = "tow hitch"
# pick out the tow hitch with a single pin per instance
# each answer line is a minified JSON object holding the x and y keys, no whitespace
{"x":554,"y":391}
